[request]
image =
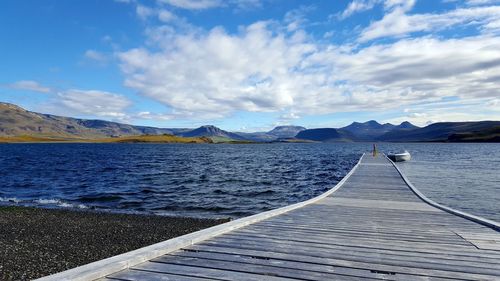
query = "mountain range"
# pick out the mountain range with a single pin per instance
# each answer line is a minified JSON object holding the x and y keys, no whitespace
{"x":16,"y":121}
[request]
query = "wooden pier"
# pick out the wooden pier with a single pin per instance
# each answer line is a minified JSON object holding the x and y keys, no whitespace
{"x":373,"y":225}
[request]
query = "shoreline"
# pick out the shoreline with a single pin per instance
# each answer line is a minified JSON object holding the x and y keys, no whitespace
{"x":36,"y":242}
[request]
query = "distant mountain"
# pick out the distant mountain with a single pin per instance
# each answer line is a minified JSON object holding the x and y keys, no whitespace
{"x":406,"y":126}
{"x":369,"y":130}
{"x":445,"y":131}
{"x":257,"y":136}
{"x":486,"y":135}
{"x":16,"y":121}
{"x":211,"y":131}
{"x":285,"y":131}
{"x":326,"y":135}
{"x":278,"y":133}
{"x":399,"y":130}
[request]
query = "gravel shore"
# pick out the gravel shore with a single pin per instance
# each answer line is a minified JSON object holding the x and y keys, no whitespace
{"x":38,"y":242}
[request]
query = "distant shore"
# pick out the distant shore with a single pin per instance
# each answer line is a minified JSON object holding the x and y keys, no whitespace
{"x":124,"y":139}
{"x":38,"y":242}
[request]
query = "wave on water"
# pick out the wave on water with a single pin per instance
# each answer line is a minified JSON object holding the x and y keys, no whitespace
{"x":200,"y":181}
{"x":10,"y":200}
{"x":41,"y":202}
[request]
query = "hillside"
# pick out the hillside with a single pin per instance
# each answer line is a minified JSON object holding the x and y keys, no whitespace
{"x":277,"y":133}
{"x":487,"y":135}
{"x":368,"y":130}
{"x":211,"y":131}
{"x":126,"y":139}
{"x":326,"y":135}
{"x":445,"y":131}
{"x":372,"y":130}
{"x":16,"y":121}
{"x":285,"y":131}
{"x":20,"y":125}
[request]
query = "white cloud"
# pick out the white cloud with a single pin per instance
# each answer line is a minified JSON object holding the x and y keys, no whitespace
{"x":427,"y":68}
{"x":96,"y":56}
{"x":153,"y":116}
{"x":29,"y":85}
{"x":278,"y":67}
{"x":247,"y":4}
{"x":262,"y":69}
{"x":406,"y":5}
{"x":144,"y":12}
{"x":194,"y":4}
{"x":166,"y":16}
{"x":358,"y":6}
{"x":482,"y":2}
{"x":217,"y":73}
{"x":449,"y":112}
{"x":398,"y":23}
{"x":209,"y":4}
{"x":93,"y":103}
{"x":289,"y":116}
{"x":296,"y":19}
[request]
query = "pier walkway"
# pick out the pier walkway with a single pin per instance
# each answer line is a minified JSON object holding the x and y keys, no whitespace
{"x":372,"y":226}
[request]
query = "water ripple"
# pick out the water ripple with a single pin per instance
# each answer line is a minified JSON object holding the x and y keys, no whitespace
{"x":185,"y":180}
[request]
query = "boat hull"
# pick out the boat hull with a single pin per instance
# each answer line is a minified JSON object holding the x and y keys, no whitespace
{"x":401,"y":157}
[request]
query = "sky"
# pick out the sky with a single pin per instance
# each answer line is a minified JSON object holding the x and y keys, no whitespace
{"x":251,"y":65}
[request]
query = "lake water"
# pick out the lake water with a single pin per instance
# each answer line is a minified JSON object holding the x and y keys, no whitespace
{"x":462,"y":176}
{"x":222,"y":180}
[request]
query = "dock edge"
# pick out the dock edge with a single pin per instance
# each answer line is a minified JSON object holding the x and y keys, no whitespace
{"x":483,"y":221}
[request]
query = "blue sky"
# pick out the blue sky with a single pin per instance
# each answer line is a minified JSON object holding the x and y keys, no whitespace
{"x":249,"y":65}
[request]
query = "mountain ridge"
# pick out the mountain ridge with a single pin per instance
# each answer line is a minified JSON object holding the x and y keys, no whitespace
{"x":16,"y":121}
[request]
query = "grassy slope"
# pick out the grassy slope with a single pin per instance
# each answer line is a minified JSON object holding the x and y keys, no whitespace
{"x":128,"y":139}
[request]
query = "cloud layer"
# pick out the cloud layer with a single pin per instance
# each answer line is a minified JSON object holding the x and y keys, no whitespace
{"x":269,"y":67}
{"x":417,"y":63}
{"x":29,"y":85}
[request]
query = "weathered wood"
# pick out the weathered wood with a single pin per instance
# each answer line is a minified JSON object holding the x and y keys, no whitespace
{"x":374,"y":225}
{"x":375,"y":258}
{"x":140,"y":275}
{"x":206,"y":271}
{"x":246,"y":265}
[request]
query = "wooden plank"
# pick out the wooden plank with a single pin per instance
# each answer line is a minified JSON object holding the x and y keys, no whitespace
{"x":369,"y":244}
{"x":438,"y":256}
{"x":326,"y":259}
{"x":140,"y":275}
{"x":363,"y":229}
{"x":331,"y":234}
{"x":377,"y":204}
{"x":484,"y":241}
{"x":306,"y":267}
{"x":206,"y":272}
{"x":376,"y":258}
{"x":359,"y":241}
{"x":239,"y":263}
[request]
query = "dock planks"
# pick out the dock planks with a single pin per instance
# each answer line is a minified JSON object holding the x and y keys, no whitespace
{"x":374,"y":227}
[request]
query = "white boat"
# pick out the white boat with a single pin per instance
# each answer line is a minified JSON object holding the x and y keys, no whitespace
{"x":400,"y":157}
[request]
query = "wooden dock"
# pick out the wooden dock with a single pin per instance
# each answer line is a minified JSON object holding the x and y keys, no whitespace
{"x":374,"y":225}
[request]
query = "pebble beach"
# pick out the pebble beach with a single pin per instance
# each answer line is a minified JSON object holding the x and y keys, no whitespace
{"x":36,"y":242}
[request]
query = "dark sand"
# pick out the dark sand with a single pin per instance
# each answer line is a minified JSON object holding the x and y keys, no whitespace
{"x":38,"y":242}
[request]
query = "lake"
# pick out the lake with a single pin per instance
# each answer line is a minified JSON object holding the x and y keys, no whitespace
{"x":228,"y":180}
